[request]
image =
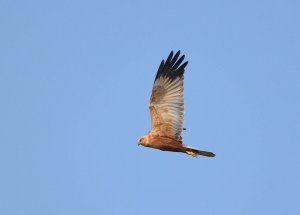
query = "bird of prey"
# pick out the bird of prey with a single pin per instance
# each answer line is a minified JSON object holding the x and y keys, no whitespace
{"x":167,"y":109}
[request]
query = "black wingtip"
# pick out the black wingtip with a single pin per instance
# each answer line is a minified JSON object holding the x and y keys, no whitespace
{"x":169,"y":57}
{"x":172,"y":67}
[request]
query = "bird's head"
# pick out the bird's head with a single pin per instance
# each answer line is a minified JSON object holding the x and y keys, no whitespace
{"x":142,"y":141}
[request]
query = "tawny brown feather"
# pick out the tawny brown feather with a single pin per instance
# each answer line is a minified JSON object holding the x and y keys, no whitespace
{"x":166,"y":106}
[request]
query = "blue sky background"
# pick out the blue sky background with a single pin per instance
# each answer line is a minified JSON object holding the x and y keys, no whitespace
{"x":75,"y":79}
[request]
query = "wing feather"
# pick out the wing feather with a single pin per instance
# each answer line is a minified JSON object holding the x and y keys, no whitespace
{"x":167,"y":102}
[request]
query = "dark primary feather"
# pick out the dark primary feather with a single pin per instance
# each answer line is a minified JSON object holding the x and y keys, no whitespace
{"x":171,"y":68}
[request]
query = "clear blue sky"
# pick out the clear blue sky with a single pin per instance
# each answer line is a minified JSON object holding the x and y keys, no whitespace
{"x":75,"y":79}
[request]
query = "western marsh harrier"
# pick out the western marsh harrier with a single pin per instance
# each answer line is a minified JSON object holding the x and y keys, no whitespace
{"x":167,"y":108}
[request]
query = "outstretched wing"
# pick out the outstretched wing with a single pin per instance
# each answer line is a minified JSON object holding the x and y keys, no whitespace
{"x":166,"y":102}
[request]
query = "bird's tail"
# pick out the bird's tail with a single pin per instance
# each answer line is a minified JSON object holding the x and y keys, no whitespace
{"x":194,"y":152}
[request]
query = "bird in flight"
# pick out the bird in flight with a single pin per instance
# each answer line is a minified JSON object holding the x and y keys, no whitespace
{"x":167,"y":109}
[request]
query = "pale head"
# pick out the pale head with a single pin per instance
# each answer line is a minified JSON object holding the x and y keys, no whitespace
{"x":142,"y":141}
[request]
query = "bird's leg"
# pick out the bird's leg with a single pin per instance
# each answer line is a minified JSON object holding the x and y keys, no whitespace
{"x":191,"y":153}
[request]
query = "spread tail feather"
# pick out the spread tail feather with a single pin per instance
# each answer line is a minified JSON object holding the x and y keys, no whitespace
{"x":194,"y":152}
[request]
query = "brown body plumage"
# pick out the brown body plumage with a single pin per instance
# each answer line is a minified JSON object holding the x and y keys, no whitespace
{"x":167,"y":109}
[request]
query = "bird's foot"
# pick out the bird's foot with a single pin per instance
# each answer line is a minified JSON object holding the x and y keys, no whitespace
{"x":192,"y":153}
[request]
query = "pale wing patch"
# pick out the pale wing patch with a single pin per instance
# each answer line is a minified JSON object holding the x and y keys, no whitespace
{"x":167,"y":107}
